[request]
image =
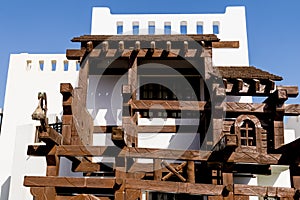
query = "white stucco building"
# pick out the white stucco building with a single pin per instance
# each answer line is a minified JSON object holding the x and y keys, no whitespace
{"x":29,"y":74}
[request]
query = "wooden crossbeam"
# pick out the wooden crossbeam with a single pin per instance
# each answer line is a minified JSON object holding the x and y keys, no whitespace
{"x":193,"y":155}
{"x":72,"y":182}
{"x":226,"y":44}
{"x":250,"y":190}
{"x":174,"y":187}
{"x":167,"y":105}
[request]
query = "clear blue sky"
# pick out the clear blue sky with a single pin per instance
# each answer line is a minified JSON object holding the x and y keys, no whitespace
{"x":36,"y":26}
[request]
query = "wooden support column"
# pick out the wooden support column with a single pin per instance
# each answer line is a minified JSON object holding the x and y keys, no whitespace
{"x":227,"y":179}
{"x":157,"y":169}
{"x":132,"y":194}
{"x":120,"y":174}
{"x":52,"y":163}
{"x":191,"y":171}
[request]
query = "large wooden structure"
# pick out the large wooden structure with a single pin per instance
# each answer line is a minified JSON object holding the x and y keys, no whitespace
{"x":235,"y":137}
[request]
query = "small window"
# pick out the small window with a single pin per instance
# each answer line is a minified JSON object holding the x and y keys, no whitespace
{"x":53,"y":63}
{"x":66,"y":65}
{"x":199,"y":27}
{"x":77,"y":65}
{"x":119,"y":28}
{"x":135,"y":28}
{"x":216,"y":27}
{"x":247,"y":133}
{"x":41,"y":62}
{"x":167,"y":28}
{"x":151,"y":28}
{"x":183,"y":27}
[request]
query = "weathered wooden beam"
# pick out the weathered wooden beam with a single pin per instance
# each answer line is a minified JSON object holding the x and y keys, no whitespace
{"x":292,"y":109}
{"x":174,"y":187}
{"x":292,"y":91}
{"x":38,"y":150}
{"x":193,"y":155}
{"x":226,"y":44}
{"x":75,"y":54}
{"x":66,"y":88}
{"x":85,"y":167}
{"x":50,"y":137}
{"x":167,"y":105}
{"x":262,"y":191}
{"x":259,"y":158}
{"x":72,"y":182}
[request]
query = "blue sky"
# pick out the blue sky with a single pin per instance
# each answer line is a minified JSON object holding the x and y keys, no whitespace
{"x":36,"y":26}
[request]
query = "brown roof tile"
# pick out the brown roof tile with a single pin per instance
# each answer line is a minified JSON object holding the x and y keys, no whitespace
{"x":246,"y":72}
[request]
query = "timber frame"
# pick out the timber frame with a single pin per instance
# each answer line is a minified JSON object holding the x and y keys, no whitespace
{"x":247,"y":139}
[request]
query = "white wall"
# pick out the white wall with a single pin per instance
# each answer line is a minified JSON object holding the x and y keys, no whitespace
{"x":232,"y":26}
{"x":25,"y":79}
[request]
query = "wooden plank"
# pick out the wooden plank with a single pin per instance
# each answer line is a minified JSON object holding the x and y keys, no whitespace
{"x":73,"y":182}
{"x":174,"y":187}
{"x":249,"y":190}
{"x":226,"y":44}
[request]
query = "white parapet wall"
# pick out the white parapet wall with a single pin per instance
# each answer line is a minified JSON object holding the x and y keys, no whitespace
{"x":228,"y":26}
{"x":28,"y":74}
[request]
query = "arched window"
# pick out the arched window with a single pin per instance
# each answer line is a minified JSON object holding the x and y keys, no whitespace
{"x":247,"y":133}
{"x":248,"y":130}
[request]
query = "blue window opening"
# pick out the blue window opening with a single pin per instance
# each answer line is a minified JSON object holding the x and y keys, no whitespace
{"x":216,"y":29}
{"x":183,"y":29}
{"x":167,"y":29}
{"x":199,"y":29}
{"x":41,"y":65}
{"x":77,"y":66}
{"x":53,"y":62}
{"x":66,"y":65}
{"x":119,"y":28}
{"x":151,"y":28}
{"x":135,"y":28}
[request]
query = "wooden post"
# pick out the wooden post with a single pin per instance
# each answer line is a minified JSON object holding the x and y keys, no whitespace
{"x":228,"y":182}
{"x":157,"y":169}
{"x":52,"y":163}
{"x":191,"y":171}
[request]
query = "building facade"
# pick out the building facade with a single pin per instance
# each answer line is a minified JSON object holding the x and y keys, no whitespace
{"x":29,"y":74}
